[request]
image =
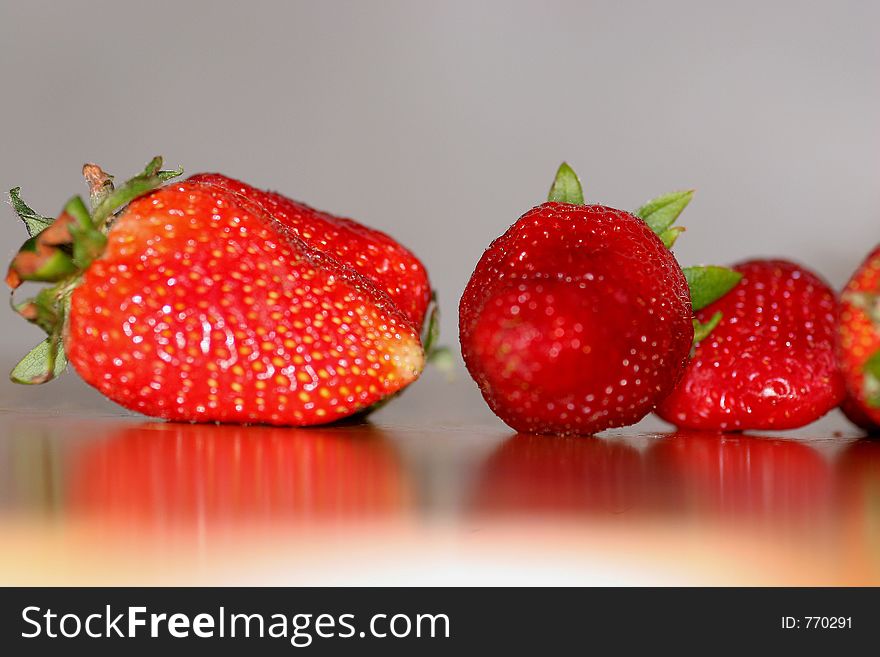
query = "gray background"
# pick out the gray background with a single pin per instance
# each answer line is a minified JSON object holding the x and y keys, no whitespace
{"x":441,"y":123}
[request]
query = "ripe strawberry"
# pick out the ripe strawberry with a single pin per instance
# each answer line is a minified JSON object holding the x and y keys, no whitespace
{"x":577,"y":319}
{"x":859,"y":344}
{"x":769,"y":363}
{"x":199,"y":305}
{"x":374,"y":255}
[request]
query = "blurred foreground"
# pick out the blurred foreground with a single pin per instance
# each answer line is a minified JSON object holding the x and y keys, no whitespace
{"x":433,"y":491}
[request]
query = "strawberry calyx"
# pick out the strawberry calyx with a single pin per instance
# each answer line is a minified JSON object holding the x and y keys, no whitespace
{"x":59,"y":250}
{"x":439,"y":356}
{"x":662,"y":212}
{"x":707,"y":283}
{"x":871,"y":380}
{"x":703,"y":329}
{"x":566,"y":187}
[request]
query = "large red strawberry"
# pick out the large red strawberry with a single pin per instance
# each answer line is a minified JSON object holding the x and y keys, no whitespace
{"x":859,"y":344}
{"x":578,"y":318}
{"x":193,"y":302}
{"x":770,"y":362}
{"x":369,"y":252}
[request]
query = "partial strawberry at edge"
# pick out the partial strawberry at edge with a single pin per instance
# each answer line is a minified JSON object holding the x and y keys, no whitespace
{"x":769,"y":364}
{"x":859,"y":415}
{"x":372,"y":253}
{"x":859,"y":344}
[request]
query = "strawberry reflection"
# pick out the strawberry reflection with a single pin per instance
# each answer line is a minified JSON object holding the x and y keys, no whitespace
{"x":537,"y":474}
{"x":679,"y":475}
{"x":180,"y":475}
{"x":858,"y":470}
{"x":859,"y":474}
{"x":739,"y":475}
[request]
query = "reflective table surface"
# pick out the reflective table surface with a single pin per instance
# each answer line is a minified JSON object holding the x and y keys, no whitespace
{"x":434,"y":490}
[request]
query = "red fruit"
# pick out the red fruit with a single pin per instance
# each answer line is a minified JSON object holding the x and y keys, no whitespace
{"x":859,"y":344}
{"x":858,"y":415}
{"x":371,"y":253}
{"x":576,"y":320}
{"x":769,"y":363}
{"x":203,"y":307}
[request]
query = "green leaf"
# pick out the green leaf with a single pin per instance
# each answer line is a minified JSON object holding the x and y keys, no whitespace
{"x":42,"y":310}
{"x":33,"y":221}
{"x":438,"y":356}
{"x":148,"y":180}
{"x":566,"y":187}
{"x":168,"y":174}
{"x":52,"y":267}
{"x":88,"y":244}
{"x":88,"y":241}
{"x":709,"y":283}
{"x":872,"y":365}
{"x":31,"y":245}
{"x":77,"y":209}
{"x":703,"y":329}
{"x":43,"y":363}
{"x":670,"y":235}
{"x":871,"y":371}
{"x":153,"y":167}
{"x":431,"y":330}
{"x":661,"y":212}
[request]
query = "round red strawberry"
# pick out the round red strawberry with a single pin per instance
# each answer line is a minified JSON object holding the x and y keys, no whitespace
{"x":859,"y":344}
{"x":770,"y":362}
{"x":194,"y":303}
{"x":578,"y":318}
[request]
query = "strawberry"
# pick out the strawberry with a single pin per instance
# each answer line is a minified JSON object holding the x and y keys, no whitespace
{"x":770,"y":362}
{"x":859,"y":344}
{"x":374,"y":255}
{"x":578,"y":318}
{"x":193,"y":302}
